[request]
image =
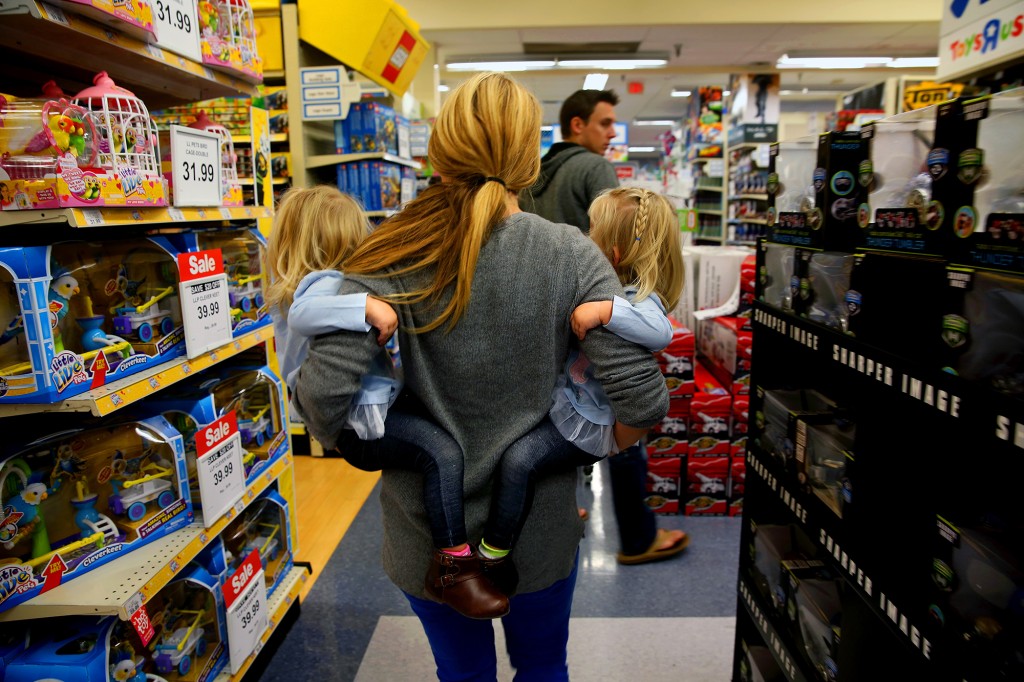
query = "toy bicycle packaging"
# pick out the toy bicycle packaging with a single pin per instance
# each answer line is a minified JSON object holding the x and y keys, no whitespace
{"x":77,"y":499}
{"x":244,"y":253}
{"x":98,"y":149}
{"x":79,"y":315}
{"x":263,"y":527}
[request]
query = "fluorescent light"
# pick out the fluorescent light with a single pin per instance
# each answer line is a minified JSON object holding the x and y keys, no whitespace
{"x":533,"y":65}
{"x":654,"y":123}
{"x":611,"y":63}
{"x":681,"y":93}
{"x":595,"y":81}
{"x":641,"y":150}
{"x":914,"y":63}
{"x":443,"y":88}
{"x":787,"y":62}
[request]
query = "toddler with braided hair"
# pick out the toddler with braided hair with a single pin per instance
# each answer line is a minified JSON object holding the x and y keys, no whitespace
{"x":639,"y":233}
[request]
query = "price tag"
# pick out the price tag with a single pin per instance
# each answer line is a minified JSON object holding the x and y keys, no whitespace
{"x":225,"y":213}
{"x":176,"y":214}
{"x":245,"y":596}
{"x":56,"y":14}
{"x":219,"y":466}
{"x":205,"y":304}
{"x":178,"y":27}
{"x":92,"y":216}
{"x":195,"y":155}
{"x":155,"y":52}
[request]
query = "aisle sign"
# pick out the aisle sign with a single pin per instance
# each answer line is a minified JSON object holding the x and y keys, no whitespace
{"x":327,"y":92}
{"x":977,"y":35}
{"x":245,"y":597}
{"x":195,"y":157}
{"x":219,"y":467}
{"x":205,"y":306}
{"x":177,"y":27}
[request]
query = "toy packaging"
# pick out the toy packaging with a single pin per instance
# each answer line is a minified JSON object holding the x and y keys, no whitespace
{"x":813,"y":611}
{"x":740,"y":425}
{"x":790,"y":188}
{"x":134,"y":18}
{"x":776,"y":413}
{"x":278,"y":122}
{"x":707,"y":477}
{"x":664,"y":478}
{"x":228,"y":38}
{"x":676,"y":361}
{"x":98,"y":149}
{"x":670,"y":437}
{"x":776,"y":270}
{"x":263,"y":527}
{"x":737,"y":484}
{"x":770,"y":546}
{"x":244,"y":252}
{"x":822,"y":454}
{"x":403,"y":133}
{"x":281,"y":164}
{"x":257,"y":397}
{"x":824,"y":280}
{"x":78,"y":499}
{"x":79,"y":315}
{"x":710,"y":411}
{"x":725,"y":345}
{"x":275,"y":97}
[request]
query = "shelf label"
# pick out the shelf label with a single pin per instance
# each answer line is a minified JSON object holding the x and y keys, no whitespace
{"x":219,"y":467}
{"x":178,"y":27}
{"x":176,"y":214}
{"x":195,"y":156}
{"x":92,"y":216}
{"x":225,"y":213}
{"x":56,"y":14}
{"x":205,"y":305}
{"x":245,"y":596}
{"x":143,"y":625}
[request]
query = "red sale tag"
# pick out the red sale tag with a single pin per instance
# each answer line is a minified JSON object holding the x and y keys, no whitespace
{"x":143,"y":625}
{"x":211,"y":436}
{"x":241,"y":578}
{"x":200,"y":264}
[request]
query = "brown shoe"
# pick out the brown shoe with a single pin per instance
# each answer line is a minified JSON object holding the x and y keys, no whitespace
{"x":501,"y":572}
{"x":460,"y":583}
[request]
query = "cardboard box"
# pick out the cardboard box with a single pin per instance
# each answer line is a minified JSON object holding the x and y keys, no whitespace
{"x":663,"y":484}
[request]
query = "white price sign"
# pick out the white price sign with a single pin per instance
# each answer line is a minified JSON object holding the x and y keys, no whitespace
{"x":195,"y":155}
{"x":205,"y":304}
{"x":177,"y":27}
{"x":245,"y":596}
{"x":219,"y":466}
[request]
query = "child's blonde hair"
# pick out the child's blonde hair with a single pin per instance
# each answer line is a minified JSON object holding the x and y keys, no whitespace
{"x":314,"y":229}
{"x":644,"y":228}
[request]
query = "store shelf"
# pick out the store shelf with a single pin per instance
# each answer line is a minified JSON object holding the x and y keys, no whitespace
{"x":751,"y":197}
{"x":276,"y":181}
{"x":297,"y":428}
{"x":749,"y":221}
{"x":279,"y":603}
{"x":334,"y":159}
{"x":273,"y":75}
{"x":787,"y":661}
{"x":708,"y":211}
{"x":705,"y":188}
{"x":247,"y":139}
{"x":114,"y":396}
{"x":112,"y":217}
{"x":747,"y":145}
{"x":125,"y":584}
{"x":741,"y":242}
{"x":159,"y":77}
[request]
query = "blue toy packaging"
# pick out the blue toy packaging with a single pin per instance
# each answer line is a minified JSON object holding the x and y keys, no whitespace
{"x":77,"y":499}
{"x":80,"y":315}
{"x":244,"y":253}
{"x":262,"y":526}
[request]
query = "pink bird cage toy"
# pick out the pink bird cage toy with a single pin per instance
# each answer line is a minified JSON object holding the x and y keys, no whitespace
{"x":128,"y":148}
{"x":228,"y":32}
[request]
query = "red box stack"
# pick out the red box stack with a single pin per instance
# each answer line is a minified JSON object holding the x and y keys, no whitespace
{"x":707,"y":470}
{"x":663,"y":484}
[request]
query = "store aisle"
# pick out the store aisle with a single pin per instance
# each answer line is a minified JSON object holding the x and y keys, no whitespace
{"x":355,"y":625}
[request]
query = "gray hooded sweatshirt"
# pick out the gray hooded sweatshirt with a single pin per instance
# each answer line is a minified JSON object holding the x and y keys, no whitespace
{"x":571,"y":177}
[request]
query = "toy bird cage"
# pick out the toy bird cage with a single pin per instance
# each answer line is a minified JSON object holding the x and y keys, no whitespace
{"x":229,"y":36}
{"x":128,"y":144}
{"x":231,"y":188}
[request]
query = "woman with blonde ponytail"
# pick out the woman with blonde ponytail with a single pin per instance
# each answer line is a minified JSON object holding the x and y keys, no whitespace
{"x":484,"y":294}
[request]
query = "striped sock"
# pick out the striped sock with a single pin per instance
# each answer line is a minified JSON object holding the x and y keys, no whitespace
{"x":465,"y":551}
{"x":492,"y":552}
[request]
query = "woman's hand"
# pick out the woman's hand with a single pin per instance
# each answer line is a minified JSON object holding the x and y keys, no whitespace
{"x":382,"y":316}
{"x":588,"y":316}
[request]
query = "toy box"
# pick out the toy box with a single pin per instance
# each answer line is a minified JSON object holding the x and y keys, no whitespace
{"x":707,"y":485}
{"x":385,"y":186}
{"x":188,"y":635}
{"x":824,"y":280}
{"x":737,"y":484}
{"x":379,"y":128}
{"x":80,"y":315}
{"x":726,"y":348}
{"x":813,"y":611}
{"x":263,"y":527}
{"x":790,"y":188}
{"x":770,"y":546}
{"x":710,"y":412}
{"x":281,"y":164}
{"x":670,"y":437}
{"x":823,"y":454}
{"x":275,"y":97}
{"x":740,"y":425}
{"x":776,"y":413}
{"x":84,"y":648}
{"x":663,"y":484}
{"x":99,"y":149}
{"x":278,"y":122}
{"x":78,"y":499}
{"x":244,"y":253}
{"x":348,"y":132}
{"x":676,"y":361}
{"x":758,"y":663}
{"x":134,"y":18}
{"x":228,"y":38}
{"x":403,"y":134}
{"x":893,"y":304}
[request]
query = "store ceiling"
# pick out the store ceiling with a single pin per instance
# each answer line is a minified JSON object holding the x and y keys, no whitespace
{"x":698,"y":55}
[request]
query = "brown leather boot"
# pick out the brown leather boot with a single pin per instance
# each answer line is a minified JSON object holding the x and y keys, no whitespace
{"x":460,"y":583}
{"x":501,"y":572}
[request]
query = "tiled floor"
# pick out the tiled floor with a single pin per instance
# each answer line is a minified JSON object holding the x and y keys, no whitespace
{"x":355,"y":625}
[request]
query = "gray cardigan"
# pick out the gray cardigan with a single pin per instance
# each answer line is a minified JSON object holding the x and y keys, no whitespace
{"x":488,"y":382}
{"x":571,"y":177}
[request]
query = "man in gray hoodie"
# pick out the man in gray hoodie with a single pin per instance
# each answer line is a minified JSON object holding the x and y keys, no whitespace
{"x":574,"y":171}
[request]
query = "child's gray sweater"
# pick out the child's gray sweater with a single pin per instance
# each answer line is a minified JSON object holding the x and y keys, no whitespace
{"x":488,"y":382}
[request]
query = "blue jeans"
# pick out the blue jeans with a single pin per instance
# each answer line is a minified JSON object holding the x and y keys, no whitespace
{"x":636,"y":521}
{"x":415,"y":443}
{"x":541,"y":451}
{"x":536,"y":636}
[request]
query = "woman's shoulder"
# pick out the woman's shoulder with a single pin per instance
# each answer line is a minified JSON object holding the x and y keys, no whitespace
{"x":532,"y":226}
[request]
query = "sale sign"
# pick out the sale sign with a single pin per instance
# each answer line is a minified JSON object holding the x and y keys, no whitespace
{"x":245,"y":597}
{"x":205,"y":301}
{"x":219,"y":466}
